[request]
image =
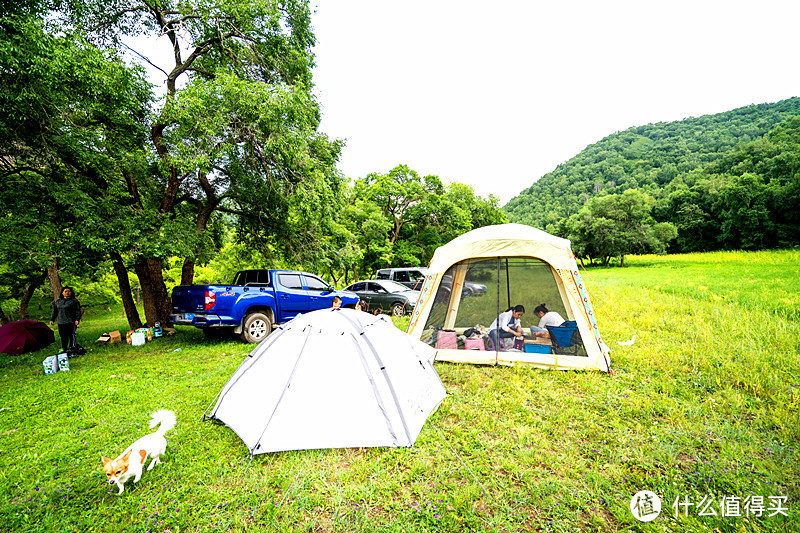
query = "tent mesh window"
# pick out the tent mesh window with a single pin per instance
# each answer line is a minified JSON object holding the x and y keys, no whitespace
{"x":473,"y":293}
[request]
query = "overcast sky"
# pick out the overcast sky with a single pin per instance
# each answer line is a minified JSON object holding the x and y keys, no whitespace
{"x":497,"y":94}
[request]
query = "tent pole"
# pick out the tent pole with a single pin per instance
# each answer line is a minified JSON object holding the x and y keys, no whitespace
{"x":508,"y":286}
{"x":497,"y":316}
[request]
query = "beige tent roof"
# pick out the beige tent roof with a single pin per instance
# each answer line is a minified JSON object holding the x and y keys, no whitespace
{"x":505,"y":240}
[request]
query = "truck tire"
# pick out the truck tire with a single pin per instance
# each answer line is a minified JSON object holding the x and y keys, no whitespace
{"x":397,"y":309}
{"x":256,"y":327}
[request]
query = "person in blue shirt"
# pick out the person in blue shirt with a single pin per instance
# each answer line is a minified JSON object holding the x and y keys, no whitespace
{"x":510,"y":325}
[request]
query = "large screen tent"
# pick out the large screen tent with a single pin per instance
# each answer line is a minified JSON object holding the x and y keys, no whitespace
{"x":480,"y":274}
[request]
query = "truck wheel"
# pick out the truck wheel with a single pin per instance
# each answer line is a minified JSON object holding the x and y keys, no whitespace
{"x":397,"y":309}
{"x":256,"y":327}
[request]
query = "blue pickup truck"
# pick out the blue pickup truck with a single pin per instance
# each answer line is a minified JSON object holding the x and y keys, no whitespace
{"x":255,"y":302}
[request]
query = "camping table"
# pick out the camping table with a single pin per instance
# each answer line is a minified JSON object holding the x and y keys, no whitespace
{"x":538,"y":340}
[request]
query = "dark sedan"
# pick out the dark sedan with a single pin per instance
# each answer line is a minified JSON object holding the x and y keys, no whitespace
{"x":388,"y":296}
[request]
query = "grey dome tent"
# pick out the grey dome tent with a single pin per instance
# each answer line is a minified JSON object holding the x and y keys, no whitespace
{"x":333,"y":378}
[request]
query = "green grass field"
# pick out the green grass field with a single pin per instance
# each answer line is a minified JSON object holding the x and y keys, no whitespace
{"x":703,"y":409}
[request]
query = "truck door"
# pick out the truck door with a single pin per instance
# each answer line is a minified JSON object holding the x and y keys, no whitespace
{"x":320,"y":295}
{"x":292,"y":297}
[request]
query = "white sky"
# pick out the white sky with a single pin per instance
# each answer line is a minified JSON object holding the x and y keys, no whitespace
{"x":497,"y":94}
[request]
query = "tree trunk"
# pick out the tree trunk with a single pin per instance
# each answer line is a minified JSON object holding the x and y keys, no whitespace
{"x":187,"y":272}
{"x":55,"y":279}
{"x":134,"y":321}
{"x":27,"y":294}
{"x":154,"y":291}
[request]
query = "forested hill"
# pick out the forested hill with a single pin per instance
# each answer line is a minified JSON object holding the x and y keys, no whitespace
{"x":649,"y":158}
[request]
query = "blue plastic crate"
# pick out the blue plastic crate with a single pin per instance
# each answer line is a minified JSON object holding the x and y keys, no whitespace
{"x":537,"y":348}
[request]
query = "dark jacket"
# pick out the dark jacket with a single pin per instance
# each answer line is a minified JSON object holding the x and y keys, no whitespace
{"x":67,"y":311}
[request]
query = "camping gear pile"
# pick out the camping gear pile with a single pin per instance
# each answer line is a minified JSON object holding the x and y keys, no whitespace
{"x":137,"y":337}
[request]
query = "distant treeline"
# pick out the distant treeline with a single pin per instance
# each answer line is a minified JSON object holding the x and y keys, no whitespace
{"x":725,"y":181}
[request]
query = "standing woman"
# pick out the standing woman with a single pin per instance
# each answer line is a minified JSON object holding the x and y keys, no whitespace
{"x":68,"y":311}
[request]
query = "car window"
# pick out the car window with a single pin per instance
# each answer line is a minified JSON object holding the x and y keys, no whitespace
{"x":252,"y":277}
{"x":392,"y":286}
{"x":291,"y":281}
{"x":382,"y":274}
{"x":316,"y":284}
{"x":401,"y":276}
{"x":357,"y":287}
{"x":415,"y":275}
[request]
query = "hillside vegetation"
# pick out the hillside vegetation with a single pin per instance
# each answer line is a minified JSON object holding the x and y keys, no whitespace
{"x":726,"y":181}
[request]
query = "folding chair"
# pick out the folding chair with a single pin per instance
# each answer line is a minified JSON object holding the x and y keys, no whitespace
{"x":566,"y":339}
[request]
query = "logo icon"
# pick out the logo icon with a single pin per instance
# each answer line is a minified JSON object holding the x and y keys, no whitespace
{"x":645,"y":506}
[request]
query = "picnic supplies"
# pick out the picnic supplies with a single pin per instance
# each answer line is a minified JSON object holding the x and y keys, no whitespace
{"x":63,"y":362}
{"x":50,"y":365}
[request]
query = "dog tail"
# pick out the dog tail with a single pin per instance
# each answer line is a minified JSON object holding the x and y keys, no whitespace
{"x":166,"y":418}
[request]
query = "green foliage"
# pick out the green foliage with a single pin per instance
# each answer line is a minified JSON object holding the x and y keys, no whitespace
{"x":617,"y":225}
{"x":703,"y":404}
{"x":71,"y":125}
{"x":695,"y":170}
{"x":236,"y":133}
{"x":400,"y":218}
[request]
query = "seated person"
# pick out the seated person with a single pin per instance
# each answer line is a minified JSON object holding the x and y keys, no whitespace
{"x":546,"y":318}
{"x":510,"y":326}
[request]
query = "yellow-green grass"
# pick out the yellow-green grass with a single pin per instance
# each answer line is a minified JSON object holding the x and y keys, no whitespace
{"x":704,"y":403}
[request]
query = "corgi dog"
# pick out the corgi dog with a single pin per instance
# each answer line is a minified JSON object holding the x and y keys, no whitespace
{"x":131,"y":463}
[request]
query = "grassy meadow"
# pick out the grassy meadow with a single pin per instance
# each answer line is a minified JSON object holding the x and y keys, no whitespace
{"x":703,"y":409}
